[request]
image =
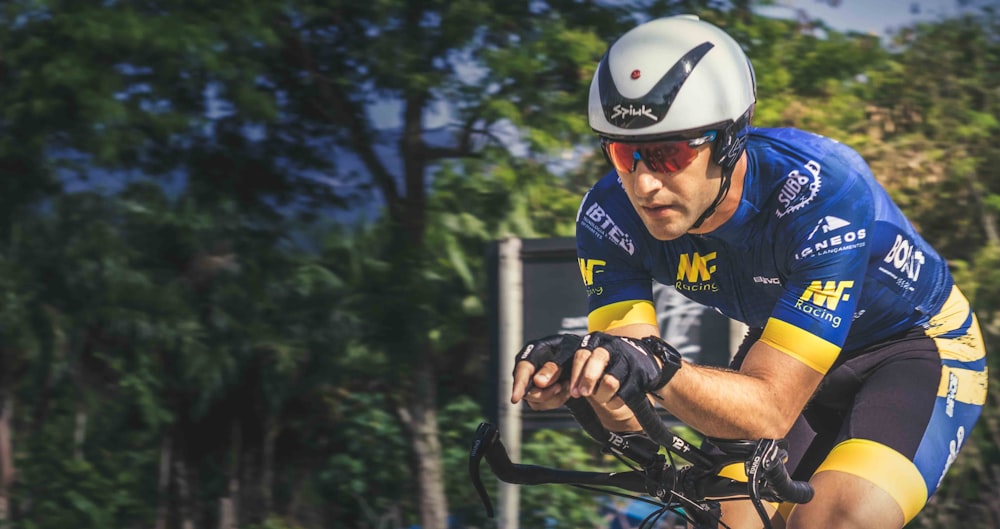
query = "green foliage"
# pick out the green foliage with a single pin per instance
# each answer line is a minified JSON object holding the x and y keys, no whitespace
{"x":203,"y":300}
{"x":276,"y":522}
{"x":108,"y":489}
{"x":564,"y":506}
{"x":366,"y":478}
{"x":459,"y":420}
{"x":941,"y":126}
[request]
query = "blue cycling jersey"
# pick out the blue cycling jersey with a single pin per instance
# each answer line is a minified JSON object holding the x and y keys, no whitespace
{"x":816,"y":254}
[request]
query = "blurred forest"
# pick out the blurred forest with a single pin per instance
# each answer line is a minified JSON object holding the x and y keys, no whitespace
{"x":242,"y":278}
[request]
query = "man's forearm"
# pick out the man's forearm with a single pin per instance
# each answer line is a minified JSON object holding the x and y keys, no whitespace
{"x":706,"y":398}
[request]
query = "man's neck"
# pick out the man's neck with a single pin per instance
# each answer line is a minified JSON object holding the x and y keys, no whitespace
{"x":730,"y":203}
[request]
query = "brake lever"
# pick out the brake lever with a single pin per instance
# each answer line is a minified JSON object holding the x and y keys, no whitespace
{"x":485,"y":436}
{"x":767,"y":449}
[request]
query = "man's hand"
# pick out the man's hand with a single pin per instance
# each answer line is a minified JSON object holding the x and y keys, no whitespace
{"x":632,"y":366}
{"x":541,"y":374}
{"x":615,"y":416}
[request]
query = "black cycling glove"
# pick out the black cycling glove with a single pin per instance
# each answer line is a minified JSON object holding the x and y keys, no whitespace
{"x":632,"y":361}
{"x":558,"y":349}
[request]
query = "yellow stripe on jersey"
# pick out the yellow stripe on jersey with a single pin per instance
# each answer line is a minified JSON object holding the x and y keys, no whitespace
{"x":621,"y":314}
{"x":886,"y":468}
{"x":804,"y":346}
{"x":970,"y":386}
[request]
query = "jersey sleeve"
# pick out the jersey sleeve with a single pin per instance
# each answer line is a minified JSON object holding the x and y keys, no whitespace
{"x":827,"y":246}
{"x":619,"y":286}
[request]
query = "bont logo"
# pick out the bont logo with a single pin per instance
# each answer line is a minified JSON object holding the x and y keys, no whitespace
{"x":905,"y":257}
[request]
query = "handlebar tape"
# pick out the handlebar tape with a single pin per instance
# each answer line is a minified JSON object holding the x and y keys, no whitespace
{"x":788,"y":489}
{"x":587,"y":418}
{"x":656,"y":430}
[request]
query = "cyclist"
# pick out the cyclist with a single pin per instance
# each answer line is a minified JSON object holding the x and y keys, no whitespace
{"x":861,"y":350}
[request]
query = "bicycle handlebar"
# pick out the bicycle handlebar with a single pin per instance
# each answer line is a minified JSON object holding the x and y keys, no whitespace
{"x":768,"y":457}
{"x":487,"y":444}
{"x":694,"y":486}
{"x":764,"y":460}
{"x":776,"y":474}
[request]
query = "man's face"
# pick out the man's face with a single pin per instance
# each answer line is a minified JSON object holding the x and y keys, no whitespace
{"x":670,"y":203}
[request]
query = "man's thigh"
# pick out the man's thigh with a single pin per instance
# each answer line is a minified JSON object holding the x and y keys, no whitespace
{"x":842,"y":501}
{"x":846,"y":501}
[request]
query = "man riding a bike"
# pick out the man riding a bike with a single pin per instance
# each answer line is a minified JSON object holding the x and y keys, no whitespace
{"x":862,"y":352}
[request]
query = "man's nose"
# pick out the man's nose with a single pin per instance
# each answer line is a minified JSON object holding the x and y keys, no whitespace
{"x":646,"y":181}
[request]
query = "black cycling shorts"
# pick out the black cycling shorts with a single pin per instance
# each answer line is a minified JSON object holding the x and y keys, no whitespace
{"x":898,"y":412}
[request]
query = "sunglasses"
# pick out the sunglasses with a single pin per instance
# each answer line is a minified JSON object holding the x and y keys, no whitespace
{"x":659,"y":156}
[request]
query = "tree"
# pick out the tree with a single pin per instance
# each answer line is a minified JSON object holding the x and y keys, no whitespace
{"x":235,"y":109}
{"x":213,"y":303}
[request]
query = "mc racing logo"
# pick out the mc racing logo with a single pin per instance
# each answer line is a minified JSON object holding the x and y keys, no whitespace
{"x":589,"y":267}
{"x":694,"y":273}
{"x":820,"y":300}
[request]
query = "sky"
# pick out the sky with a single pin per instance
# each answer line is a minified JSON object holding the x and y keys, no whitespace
{"x":868,"y":16}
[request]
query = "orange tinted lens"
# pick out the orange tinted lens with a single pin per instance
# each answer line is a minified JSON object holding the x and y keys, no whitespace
{"x":662,"y":157}
{"x":667,"y":157}
{"x":622,"y":156}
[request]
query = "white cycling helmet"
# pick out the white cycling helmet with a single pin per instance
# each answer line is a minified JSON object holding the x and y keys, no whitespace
{"x":676,"y":77}
{"x":668,"y":77}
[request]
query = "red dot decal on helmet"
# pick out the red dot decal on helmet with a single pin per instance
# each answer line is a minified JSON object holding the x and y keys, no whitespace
{"x":636,"y":74}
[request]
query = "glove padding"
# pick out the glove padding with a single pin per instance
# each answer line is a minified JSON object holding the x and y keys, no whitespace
{"x":634,"y":362}
{"x":557,"y":348}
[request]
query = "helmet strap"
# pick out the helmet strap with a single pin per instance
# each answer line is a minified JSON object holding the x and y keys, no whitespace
{"x":727,"y":151}
{"x":727,"y":174}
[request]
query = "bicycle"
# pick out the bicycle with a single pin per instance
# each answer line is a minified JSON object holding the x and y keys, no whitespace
{"x":693,"y":491}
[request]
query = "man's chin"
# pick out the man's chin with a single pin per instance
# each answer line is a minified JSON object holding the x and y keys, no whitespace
{"x":664,"y":233}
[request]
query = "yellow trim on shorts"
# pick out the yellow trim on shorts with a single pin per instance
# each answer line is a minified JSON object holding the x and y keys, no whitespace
{"x":886,"y":468}
{"x":785,"y":510}
{"x":971,"y":387}
{"x":621,"y":314}
{"x":953,"y":314}
{"x":735,"y":472}
{"x":738,"y":472}
{"x":790,"y":340}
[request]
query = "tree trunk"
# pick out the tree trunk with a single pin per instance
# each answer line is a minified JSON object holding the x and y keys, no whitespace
{"x":79,"y":431}
{"x":6,"y":455}
{"x":163,"y":484}
{"x":986,"y":217}
{"x":182,"y":480}
{"x":271,"y":431}
{"x":419,"y":418}
{"x":229,"y":504}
